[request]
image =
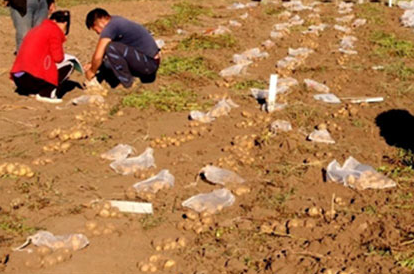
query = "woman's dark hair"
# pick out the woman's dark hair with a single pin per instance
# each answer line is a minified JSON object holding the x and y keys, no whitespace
{"x":62,"y":16}
{"x":95,"y":14}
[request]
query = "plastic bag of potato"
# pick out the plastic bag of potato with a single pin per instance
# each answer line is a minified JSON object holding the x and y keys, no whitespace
{"x":119,"y":152}
{"x":356,"y":175}
{"x":163,"y":180}
{"x":238,"y":69}
{"x":321,"y":136}
{"x":222,"y":108}
{"x":45,"y":238}
{"x":212,"y":202}
{"x":88,"y":99}
{"x":220,"y":176}
{"x":280,"y":125}
{"x":316,"y":86}
{"x":131,"y":165}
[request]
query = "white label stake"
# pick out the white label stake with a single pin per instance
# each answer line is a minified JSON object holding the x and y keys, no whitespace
{"x":272,"y":92}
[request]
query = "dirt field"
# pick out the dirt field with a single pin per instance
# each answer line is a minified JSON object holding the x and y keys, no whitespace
{"x":289,"y":218}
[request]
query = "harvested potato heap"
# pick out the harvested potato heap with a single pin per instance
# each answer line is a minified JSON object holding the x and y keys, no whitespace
{"x":42,"y":162}
{"x":198,"y":223}
{"x":16,"y":169}
{"x":369,"y":179}
{"x":58,"y":147}
{"x":288,"y":226}
{"x":75,"y":133}
{"x":156,"y":263}
{"x":181,"y":137}
{"x":330,"y":126}
{"x":240,"y":149}
{"x":46,"y":257}
{"x":105,"y":210}
{"x":95,"y":115}
{"x":169,"y":244}
{"x":96,"y":228}
{"x":251,"y":121}
{"x":347,"y":111}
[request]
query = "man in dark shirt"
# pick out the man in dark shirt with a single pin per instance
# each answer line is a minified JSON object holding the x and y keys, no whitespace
{"x":125,"y":50}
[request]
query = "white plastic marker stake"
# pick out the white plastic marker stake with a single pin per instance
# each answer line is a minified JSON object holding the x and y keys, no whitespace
{"x":390,"y":3}
{"x":272,"y":93}
{"x":132,"y":207}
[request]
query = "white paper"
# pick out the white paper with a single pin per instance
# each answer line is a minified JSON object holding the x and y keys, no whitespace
{"x":133,"y":207}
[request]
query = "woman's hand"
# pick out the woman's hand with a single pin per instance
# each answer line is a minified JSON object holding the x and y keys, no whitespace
{"x":52,"y":8}
{"x":87,"y":66}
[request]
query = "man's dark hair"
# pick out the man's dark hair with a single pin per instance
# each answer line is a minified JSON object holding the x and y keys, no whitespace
{"x":62,"y":16}
{"x":95,"y":14}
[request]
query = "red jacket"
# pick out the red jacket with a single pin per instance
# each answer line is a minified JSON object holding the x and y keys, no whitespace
{"x":41,"y":49}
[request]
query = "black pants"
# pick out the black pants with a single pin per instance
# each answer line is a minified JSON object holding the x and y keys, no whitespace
{"x":122,"y":63}
{"x":28,"y":84}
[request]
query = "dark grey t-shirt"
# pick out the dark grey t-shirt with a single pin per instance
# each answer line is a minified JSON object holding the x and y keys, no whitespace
{"x":131,"y":34}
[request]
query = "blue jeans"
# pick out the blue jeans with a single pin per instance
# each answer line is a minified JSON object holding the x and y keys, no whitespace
{"x":37,"y":11}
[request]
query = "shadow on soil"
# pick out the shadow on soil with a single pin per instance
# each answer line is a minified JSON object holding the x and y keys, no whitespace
{"x":396,"y":127}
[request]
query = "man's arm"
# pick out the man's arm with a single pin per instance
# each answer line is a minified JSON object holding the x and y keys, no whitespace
{"x":5,"y":3}
{"x":97,"y":57}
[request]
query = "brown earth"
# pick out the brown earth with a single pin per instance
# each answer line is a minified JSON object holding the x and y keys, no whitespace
{"x":269,"y":230}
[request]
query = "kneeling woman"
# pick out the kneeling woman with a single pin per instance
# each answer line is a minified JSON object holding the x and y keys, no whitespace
{"x":35,"y":70}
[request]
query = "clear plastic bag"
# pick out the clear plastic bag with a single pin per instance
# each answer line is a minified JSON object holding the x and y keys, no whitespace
{"x":407,"y":19}
{"x":234,"y":23}
{"x":237,"y":6}
{"x":281,"y":26}
{"x":359,"y":23}
{"x":221,"y":176}
{"x":342,"y":29}
{"x":212,"y":202}
{"x":284,"y":15}
{"x":268,"y":44}
{"x":288,"y":62}
{"x":131,"y":165}
{"x":160,"y":43}
{"x":244,"y":16}
{"x":345,"y":19}
{"x":249,"y":55}
{"x":276,"y":35}
{"x":295,"y":6}
{"x":119,"y":152}
{"x":235,"y":70}
{"x":88,"y":99}
{"x":321,"y":136}
{"x":300,"y":52}
{"x":356,"y":175}
{"x":201,"y":116}
{"x":280,"y":125}
{"x":296,"y":21}
{"x":316,"y":86}
{"x":45,"y":238}
{"x":223,"y":107}
{"x":315,"y":29}
{"x":347,"y":42}
{"x":220,"y":30}
{"x":406,"y":5}
{"x":163,"y":180}
{"x":327,"y":98}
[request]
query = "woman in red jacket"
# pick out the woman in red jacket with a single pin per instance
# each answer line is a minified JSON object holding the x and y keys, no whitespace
{"x":35,"y":69}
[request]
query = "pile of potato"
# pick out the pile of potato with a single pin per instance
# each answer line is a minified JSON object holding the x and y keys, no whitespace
{"x":95,"y":228}
{"x":198,"y":223}
{"x":72,"y":134}
{"x":240,"y":150}
{"x":240,"y":190}
{"x":330,"y":126}
{"x":16,"y":169}
{"x":157,"y":263}
{"x":57,"y":146}
{"x":369,"y":179}
{"x":309,"y":41}
{"x":95,"y":115}
{"x":169,"y":244}
{"x":42,"y":162}
{"x":347,"y":111}
{"x":342,"y":59}
{"x":180,"y":136}
{"x":276,"y":227}
{"x":251,"y":121}
{"x":105,"y":210}
{"x":46,"y":257}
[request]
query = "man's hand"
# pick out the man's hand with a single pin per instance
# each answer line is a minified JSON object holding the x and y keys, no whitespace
{"x":5,"y":3}
{"x":87,"y":66}
{"x":52,"y":8}
{"x":89,"y":74}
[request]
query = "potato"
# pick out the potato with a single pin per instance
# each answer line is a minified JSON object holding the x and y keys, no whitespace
{"x":153,"y":268}
{"x":169,"y":264}
{"x":10,"y":168}
{"x":192,"y":215}
{"x":107,"y":231}
{"x":130,"y":193}
{"x":154,"y":258}
{"x":65,"y":254}
{"x":43,"y":250}
{"x":64,"y":137}
{"x":76,"y":243}
{"x":188,"y":225}
{"x":49,"y":260}
{"x":114,"y":212}
{"x":207,"y":220}
{"x":144,"y":268}
{"x":104,"y":213}
{"x":180,"y":225}
{"x":58,"y":244}
{"x":33,"y":262}
{"x":314,"y":212}
{"x":91,"y":225}
{"x":182,"y":242}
